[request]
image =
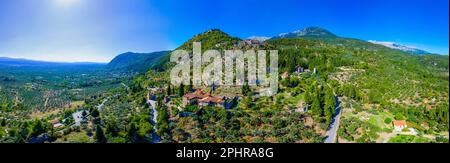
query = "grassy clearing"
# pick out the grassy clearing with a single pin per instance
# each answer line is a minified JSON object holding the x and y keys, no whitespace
{"x":378,"y":120}
{"x":76,"y":104}
{"x":409,"y":139}
{"x":75,"y":137}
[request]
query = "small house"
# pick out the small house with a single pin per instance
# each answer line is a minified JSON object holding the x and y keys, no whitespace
{"x":211,"y":101}
{"x":194,"y":97}
{"x":56,"y":123}
{"x":399,"y":125}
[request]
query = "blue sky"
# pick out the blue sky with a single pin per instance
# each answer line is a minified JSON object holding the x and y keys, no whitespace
{"x":97,"y":30}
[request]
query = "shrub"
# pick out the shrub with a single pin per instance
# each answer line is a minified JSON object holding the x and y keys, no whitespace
{"x":388,"y":120}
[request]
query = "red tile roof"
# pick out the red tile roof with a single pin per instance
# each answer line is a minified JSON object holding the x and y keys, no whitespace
{"x":211,"y":99}
{"x":400,"y":123}
{"x":56,"y":120}
{"x":197,"y":94}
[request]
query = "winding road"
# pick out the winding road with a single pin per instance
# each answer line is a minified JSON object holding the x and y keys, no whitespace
{"x":154,"y":121}
{"x":334,"y":125}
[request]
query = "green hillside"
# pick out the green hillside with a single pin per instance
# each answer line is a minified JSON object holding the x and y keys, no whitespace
{"x":369,"y":79}
{"x":138,"y":62}
{"x":211,"y":39}
{"x":372,"y":85}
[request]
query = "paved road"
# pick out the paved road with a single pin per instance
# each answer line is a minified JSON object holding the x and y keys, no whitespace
{"x":332,"y":130}
{"x":154,"y":121}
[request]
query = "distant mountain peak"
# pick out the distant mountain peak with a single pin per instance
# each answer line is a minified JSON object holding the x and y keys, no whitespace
{"x":397,"y":46}
{"x":314,"y":32}
{"x":212,"y":31}
{"x":259,"y":38}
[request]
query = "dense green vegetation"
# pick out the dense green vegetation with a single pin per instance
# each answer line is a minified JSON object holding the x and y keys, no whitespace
{"x":380,"y":77}
{"x":374,"y":86}
{"x":43,"y":89}
{"x":46,"y":91}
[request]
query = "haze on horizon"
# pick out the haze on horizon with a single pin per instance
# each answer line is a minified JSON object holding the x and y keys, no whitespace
{"x":96,"y":31}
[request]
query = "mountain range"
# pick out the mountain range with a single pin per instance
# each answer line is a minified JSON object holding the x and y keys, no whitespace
{"x":393,"y":45}
{"x":137,"y":62}
{"x":317,"y":32}
{"x":140,"y":62}
{"x":309,"y":32}
{"x":20,"y":62}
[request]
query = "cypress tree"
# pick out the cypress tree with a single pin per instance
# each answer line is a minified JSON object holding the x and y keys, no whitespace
{"x":99,"y":135}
